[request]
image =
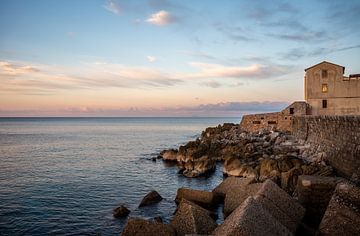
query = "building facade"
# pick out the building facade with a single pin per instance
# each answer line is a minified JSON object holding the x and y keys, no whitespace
{"x":329,"y":92}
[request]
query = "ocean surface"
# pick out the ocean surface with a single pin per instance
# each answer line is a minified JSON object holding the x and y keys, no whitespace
{"x":64,"y":176}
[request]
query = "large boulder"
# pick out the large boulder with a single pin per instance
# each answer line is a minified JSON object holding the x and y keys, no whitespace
{"x":199,"y":167}
{"x":140,"y":227}
{"x":120,"y":211}
{"x":231,"y":183}
{"x":280,"y":205}
{"x":151,"y":198}
{"x":251,"y":219}
{"x":342,"y":216}
{"x":169,"y":155}
{"x":234,"y":167}
{"x":235,"y":197}
{"x":201,"y":198}
{"x":314,"y":193}
{"x":192,"y":219}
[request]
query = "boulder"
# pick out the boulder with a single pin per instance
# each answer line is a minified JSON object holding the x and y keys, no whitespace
{"x":234,"y":167}
{"x":199,"y":197}
{"x":192,"y":219}
{"x":251,"y":219}
{"x":289,"y":179}
{"x":235,"y":197}
{"x":280,"y":205}
{"x":150,"y":198}
{"x":231,"y":183}
{"x":120,"y":211}
{"x":314,"y":193}
{"x":342,"y":216}
{"x":169,"y":155}
{"x":140,"y":227}
{"x":199,"y":167}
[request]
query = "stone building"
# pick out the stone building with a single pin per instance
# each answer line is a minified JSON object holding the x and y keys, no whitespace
{"x":329,"y":92}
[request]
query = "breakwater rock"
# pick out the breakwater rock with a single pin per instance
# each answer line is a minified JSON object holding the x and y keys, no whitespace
{"x":274,"y":155}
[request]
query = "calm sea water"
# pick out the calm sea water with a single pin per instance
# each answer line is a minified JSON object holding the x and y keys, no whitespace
{"x":64,"y":176}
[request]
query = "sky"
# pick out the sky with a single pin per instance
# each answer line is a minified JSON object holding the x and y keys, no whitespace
{"x":167,"y":57}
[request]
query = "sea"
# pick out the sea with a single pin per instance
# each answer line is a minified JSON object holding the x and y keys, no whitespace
{"x":64,"y":176}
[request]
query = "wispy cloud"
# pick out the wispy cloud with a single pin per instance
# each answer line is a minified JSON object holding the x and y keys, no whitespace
{"x":7,"y":68}
{"x":161,"y":18}
{"x":113,"y":6}
{"x":151,"y":58}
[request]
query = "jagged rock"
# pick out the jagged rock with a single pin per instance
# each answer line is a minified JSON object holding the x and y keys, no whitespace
{"x":140,"y":227}
{"x":250,"y":219}
{"x":201,"y":198}
{"x":289,"y":179}
{"x":235,"y":197}
{"x":342,"y":216}
{"x":234,"y":167}
{"x":231,"y":183}
{"x":280,"y":205}
{"x":151,"y":198}
{"x":158,"y":219}
{"x":192,"y":219}
{"x":169,"y":155}
{"x":199,"y":167}
{"x":120,"y":211}
{"x":314,"y":193}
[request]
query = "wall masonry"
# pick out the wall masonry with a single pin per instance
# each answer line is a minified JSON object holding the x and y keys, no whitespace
{"x":337,"y":136}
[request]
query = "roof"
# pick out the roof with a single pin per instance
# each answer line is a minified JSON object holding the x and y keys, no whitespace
{"x":327,"y":63}
{"x":354,"y":75}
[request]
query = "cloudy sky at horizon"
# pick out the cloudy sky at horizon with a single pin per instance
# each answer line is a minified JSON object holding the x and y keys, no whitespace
{"x":167,"y":57}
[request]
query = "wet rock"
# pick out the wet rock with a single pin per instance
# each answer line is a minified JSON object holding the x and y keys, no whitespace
{"x":151,"y":198}
{"x":169,"y":155}
{"x":280,"y":205}
{"x":237,"y":196}
{"x":199,"y":167}
{"x":120,"y":211}
{"x":192,"y":219}
{"x":140,"y":227}
{"x":342,"y":216}
{"x":314,"y":193}
{"x":231,"y":183}
{"x":199,"y":197}
{"x":158,"y":219}
{"x":251,"y":219}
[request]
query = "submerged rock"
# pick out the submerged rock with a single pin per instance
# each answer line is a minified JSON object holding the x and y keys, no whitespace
{"x":120,"y":211}
{"x":151,"y":198}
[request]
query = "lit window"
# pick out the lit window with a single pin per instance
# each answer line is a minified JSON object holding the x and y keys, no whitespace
{"x":324,"y":73}
{"x":324,"y":88}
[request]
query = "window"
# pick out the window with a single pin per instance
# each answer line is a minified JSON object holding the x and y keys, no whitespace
{"x":324,"y":103}
{"x":324,"y":73}
{"x":272,"y":122}
{"x":324,"y":88}
{"x":256,"y":122}
{"x":262,"y":118}
{"x":285,"y":118}
{"x":291,"y":110}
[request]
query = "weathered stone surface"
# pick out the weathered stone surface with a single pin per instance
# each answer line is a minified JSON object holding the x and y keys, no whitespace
{"x":120,"y":211}
{"x":151,"y":198}
{"x":314,"y":193}
{"x":251,"y":219}
{"x":192,"y":219}
{"x":280,"y":205}
{"x":235,"y":197}
{"x":234,"y":167}
{"x":169,"y":155}
{"x":342,"y":217}
{"x":201,"y":198}
{"x":140,"y":227}
{"x":231,"y":183}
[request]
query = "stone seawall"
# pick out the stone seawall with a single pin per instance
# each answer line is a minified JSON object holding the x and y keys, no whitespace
{"x":338,"y":137}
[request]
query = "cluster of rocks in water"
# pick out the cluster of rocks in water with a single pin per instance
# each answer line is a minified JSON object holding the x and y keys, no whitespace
{"x":276,"y":185}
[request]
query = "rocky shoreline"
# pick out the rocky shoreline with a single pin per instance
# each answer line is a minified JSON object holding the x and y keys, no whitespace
{"x":276,"y":185}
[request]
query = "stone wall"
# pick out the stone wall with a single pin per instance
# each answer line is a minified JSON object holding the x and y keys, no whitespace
{"x":337,"y":136}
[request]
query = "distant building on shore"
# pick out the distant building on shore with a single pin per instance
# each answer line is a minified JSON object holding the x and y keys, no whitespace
{"x":327,"y":92}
